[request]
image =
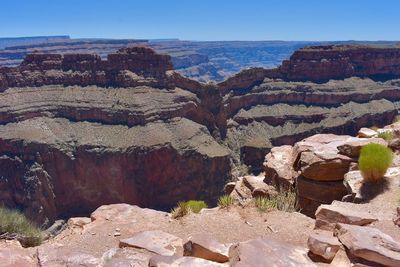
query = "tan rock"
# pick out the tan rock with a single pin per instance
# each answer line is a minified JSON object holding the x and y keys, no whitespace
{"x":369,"y":244}
{"x":367,"y":133}
{"x":324,"y":244}
{"x":79,"y":221}
{"x":328,"y":215}
{"x":319,"y":159}
{"x":155,"y":241}
{"x":65,"y":257}
{"x":353,"y":146}
{"x":241,"y":192}
{"x":266,"y":252}
{"x":14,"y":257}
{"x":278,"y":166}
{"x":174,"y":261}
{"x":257,"y":186}
{"x":205,"y":247}
{"x":396,"y":220}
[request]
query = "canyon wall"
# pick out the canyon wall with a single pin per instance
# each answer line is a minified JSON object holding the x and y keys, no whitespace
{"x":78,"y":131}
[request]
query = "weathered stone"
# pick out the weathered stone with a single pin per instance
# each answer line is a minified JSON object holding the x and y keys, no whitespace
{"x":241,"y":192}
{"x":367,"y":133}
{"x":155,"y":241}
{"x":370,"y":244}
{"x":359,"y":191}
{"x":396,"y":220}
{"x":56,"y":257}
{"x":228,"y":188}
{"x":319,"y":159}
{"x":205,"y":247}
{"x":278,"y":166}
{"x":324,"y":244}
{"x":353,"y":146}
{"x":174,"y":261}
{"x":311,"y":193}
{"x":266,"y":252}
{"x":257,"y":186}
{"x":13,"y":257}
{"x":78,"y":221}
{"x":328,"y":215}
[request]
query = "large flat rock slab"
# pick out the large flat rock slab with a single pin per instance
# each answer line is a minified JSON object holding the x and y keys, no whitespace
{"x":369,"y":244}
{"x":155,"y":241}
{"x":267,"y":252}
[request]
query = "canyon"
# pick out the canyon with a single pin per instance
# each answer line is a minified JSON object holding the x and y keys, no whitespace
{"x":78,"y":131}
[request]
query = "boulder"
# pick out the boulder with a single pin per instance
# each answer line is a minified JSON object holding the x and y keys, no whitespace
{"x":241,"y":192}
{"x":328,"y":215}
{"x":278,"y":166}
{"x":358,"y":191}
{"x":369,"y":244}
{"x":311,"y":193}
{"x":257,"y":186}
{"x":367,"y":133}
{"x":205,"y":247}
{"x":228,"y":188}
{"x":324,"y":244}
{"x":155,"y":241}
{"x":319,"y":159}
{"x":353,"y":146}
{"x":174,"y":261}
{"x":267,"y":252}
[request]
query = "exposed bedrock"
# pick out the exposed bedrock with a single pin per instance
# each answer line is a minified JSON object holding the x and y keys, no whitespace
{"x":82,"y":165}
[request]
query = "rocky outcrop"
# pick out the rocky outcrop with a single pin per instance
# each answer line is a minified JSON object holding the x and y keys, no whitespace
{"x":322,"y":63}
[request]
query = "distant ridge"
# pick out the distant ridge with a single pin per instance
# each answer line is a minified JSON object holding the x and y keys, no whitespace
{"x":13,"y":41}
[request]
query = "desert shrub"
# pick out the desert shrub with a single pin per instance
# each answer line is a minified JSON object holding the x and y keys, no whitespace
{"x":225,"y":201}
{"x":264,"y":204}
{"x":284,"y":201}
{"x":184,"y":208}
{"x":15,"y":225}
{"x":386,"y":135}
{"x":374,"y":161}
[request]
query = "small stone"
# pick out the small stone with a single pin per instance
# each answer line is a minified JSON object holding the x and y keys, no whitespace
{"x":207,"y":248}
{"x":324,"y":244}
{"x":367,"y":133}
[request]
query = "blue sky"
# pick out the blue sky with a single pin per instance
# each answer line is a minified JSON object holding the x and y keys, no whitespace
{"x":204,"y":19}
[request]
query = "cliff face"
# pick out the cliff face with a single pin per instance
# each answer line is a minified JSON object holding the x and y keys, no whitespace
{"x":322,"y":63}
{"x":77,"y":131}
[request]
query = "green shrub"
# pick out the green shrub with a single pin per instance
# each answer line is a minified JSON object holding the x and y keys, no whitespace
{"x":386,"y":135}
{"x":184,"y":208}
{"x":264,"y":204}
{"x":15,"y":225}
{"x":225,"y":201}
{"x":374,"y":161}
{"x":284,"y":201}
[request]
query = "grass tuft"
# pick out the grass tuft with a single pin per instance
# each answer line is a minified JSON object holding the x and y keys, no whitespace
{"x":374,"y":161}
{"x":185,"y":208}
{"x":15,"y":225}
{"x":284,"y":201}
{"x":386,"y":135}
{"x":225,"y":201}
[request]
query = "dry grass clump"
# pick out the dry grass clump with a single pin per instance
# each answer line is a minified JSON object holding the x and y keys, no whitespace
{"x":284,"y":201}
{"x":225,"y":201}
{"x":14,"y":225}
{"x":185,"y":208}
{"x":386,"y":135}
{"x":374,"y":161}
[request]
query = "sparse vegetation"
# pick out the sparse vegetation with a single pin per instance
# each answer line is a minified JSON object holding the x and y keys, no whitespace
{"x":386,"y":135}
{"x":225,"y":201}
{"x":14,"y":225}
{"x":374,"y":161}
{"x":284,"y":201}
{"x":184,"y":208}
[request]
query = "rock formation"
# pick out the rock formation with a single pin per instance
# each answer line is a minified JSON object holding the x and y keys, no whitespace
{"x":78,"y":131}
